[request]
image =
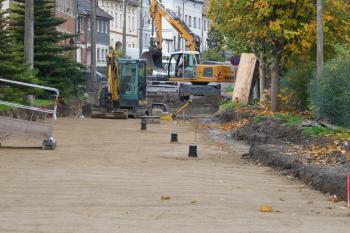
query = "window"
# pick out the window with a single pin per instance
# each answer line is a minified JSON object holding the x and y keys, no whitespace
{"x":146,"y":39}
{"x":185,"y":19}
{"x":204,"y":25}
{"x":88,"y":24}
{"x":189,"y":21}
{"x":129,"y":24}
{"x":98,"y":26}
{"x":208,"y":25}
{"x":115,"y":19}
{"x":195,"y":22}
{"x":98,"y":54}
{"x":133,"y":23}
{"x":121,"y":20}
{"x":199,"y":23}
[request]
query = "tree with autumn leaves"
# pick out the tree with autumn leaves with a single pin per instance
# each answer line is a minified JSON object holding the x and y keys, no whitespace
{"x":280,"y":29}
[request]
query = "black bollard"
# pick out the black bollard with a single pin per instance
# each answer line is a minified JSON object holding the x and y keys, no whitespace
{"x":174,"y":137}
{"x":192,"y":152}
{"x":143,"y":126}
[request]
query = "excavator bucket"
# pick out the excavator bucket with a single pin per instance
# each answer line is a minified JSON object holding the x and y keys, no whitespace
{"x":154,"y":59}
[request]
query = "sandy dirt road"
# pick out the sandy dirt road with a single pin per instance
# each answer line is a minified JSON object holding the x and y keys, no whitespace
{"x":108,"y":176}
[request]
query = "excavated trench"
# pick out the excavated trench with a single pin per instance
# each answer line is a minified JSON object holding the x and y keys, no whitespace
{"x":271,"y":144}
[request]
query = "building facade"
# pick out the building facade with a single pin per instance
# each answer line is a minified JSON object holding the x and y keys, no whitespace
{"x":67,"y":10}
{"x":116,"y":10}
{"x":84,"y":31}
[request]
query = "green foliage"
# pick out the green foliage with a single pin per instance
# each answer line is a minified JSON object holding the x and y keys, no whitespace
{"x":216,"y":40}
{"x":226,"y":105}
{"x":229,"y":105}
{"x":322,"y":131}
{"x":43,"y":102}
{"x":289,"y":119}
{"x":258,"y":119}
{"x":230,"y":88}
{"x":212,"y":55}
{"x":296,"y":82}
{"x":330,"y":96}
{"x":53,"y":54}
{"x":12,"y":61}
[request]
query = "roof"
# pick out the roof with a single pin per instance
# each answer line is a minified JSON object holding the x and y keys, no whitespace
{"x":84,"y":8}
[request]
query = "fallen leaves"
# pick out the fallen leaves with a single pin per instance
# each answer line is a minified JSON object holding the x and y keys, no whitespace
{"x":165,"y":198}
{"x":326,"y":153}
{"x":265,"y":209}
{"x":334,"y":199}
{"x":229,"y":126}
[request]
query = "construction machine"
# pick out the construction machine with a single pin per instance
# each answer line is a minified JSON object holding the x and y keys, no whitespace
{"x":172,"y":116}
{"x":188,"y":68}
{"x":124,"y":95}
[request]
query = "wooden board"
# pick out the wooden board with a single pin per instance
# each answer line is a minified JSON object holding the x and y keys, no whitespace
{"x":244,"y":79}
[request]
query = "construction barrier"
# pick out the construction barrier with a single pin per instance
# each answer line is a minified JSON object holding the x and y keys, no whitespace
{"x":28,"y":125}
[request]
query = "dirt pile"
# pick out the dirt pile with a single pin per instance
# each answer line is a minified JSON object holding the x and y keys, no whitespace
{"x":316,"y":160}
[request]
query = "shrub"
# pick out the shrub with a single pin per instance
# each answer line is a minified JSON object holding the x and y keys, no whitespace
{"x":295,"y":85}
{"x":212,"y":55}
{"x":330,"y":96}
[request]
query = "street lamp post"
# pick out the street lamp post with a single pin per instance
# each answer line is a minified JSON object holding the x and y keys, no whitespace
{"x":141,"y":29}
{"x":29,"y":33}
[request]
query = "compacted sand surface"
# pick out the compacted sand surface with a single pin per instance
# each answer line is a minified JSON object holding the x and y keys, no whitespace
{"x":108,"y":176}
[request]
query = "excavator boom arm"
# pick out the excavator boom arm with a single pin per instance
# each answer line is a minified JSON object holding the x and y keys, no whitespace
{"x":158,"y":11}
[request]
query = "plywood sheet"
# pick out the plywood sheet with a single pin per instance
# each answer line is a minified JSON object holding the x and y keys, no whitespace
{"x":244,"y":79}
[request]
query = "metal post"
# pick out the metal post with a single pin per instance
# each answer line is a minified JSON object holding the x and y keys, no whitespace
{"x":141,"y":29}
{"x":93,"y":53}
{"x":29,"y":33}
{"x":320,"y":64}
{"x":125,"y":2}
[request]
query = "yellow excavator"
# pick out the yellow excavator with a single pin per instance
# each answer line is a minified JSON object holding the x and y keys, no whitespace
{"x":124,"y":95}
{"x":188,"y":67}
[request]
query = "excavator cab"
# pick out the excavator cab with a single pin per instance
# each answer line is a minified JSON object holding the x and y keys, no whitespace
{"x":132,"y":81}
{"x":185,"y":64}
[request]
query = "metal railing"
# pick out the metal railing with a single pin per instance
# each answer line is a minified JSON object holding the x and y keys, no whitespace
{"x":15,"y":126}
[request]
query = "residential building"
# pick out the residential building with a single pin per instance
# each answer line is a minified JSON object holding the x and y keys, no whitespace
{"x":116,"y":10}
{"x":67,"y":10}
{"x":205,"y":26}
{"x":147,"y":24}
{"x":84,"y":30}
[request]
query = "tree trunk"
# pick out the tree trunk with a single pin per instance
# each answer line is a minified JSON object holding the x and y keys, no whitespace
{"x":262,"y":75}
{"x":256,"y":91}
{"x":319,"y":38}
{"x":275,"y":79}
